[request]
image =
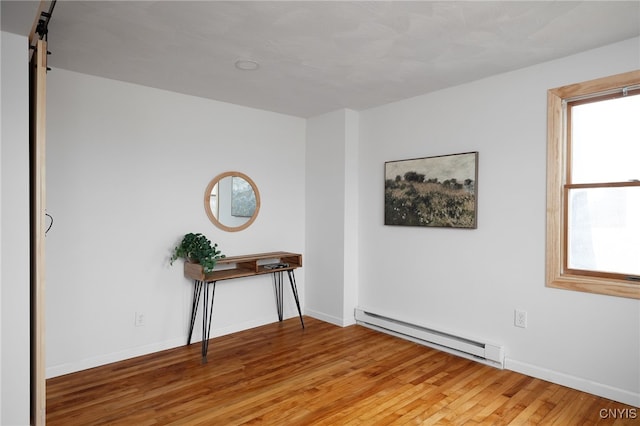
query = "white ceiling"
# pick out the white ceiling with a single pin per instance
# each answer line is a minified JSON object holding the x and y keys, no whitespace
{"x":317,"y":57}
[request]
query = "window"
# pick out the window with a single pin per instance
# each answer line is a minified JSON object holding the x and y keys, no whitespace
{"x":593,"y":186}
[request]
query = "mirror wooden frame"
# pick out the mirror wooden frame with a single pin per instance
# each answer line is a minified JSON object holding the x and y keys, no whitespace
{"x":207,"y":204}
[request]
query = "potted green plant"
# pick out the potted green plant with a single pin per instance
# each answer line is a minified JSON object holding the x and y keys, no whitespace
{"x":197,"y":248}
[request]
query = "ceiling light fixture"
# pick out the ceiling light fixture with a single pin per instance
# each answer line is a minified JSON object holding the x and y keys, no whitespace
{"x":247,"y":65}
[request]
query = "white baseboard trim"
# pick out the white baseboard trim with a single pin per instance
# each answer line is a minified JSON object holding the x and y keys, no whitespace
{"x":340,"y":322}
{"x":97,"y":361}
{"x":247,"y":325}
{"x":584,"y":385}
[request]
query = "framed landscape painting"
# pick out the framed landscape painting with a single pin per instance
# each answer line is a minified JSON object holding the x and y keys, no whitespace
{"x":439,"y":191}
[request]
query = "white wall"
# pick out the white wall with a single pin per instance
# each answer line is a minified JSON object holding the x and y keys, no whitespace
{"x":351,"y":216}
{"x":127,"y":167}
{"x":332,"y":216}
{"x":14,"y":232}
{"x":470,"y":281}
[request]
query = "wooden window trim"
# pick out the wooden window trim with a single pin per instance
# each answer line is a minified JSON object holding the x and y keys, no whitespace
{"x":557,"y":276}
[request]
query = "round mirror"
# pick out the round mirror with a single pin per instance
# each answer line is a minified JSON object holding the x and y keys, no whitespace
{"x":232,"y":201}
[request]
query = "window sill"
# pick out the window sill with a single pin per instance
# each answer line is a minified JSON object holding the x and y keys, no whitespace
{"x":608,"y":286}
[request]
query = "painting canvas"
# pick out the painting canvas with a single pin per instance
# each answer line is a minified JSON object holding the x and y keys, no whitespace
{"x":439,"y":191}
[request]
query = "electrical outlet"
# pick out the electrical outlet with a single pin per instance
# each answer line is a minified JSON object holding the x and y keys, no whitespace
{"x":139,"y":321}
{"x":520,"y":318}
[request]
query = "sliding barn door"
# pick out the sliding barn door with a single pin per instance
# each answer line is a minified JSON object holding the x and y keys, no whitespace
{"x":38,"y":88}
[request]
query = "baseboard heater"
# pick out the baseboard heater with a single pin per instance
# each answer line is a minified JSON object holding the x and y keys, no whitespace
{"x":485,"y":353}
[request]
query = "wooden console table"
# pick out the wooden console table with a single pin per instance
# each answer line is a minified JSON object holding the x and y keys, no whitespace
{"x":275,"y":263}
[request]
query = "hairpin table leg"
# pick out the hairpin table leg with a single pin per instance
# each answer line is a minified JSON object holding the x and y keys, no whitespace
{"x":277,"y":283}
{"x":197,"y":290}
{"x":206,"y":319}
{"x":294,"y":289}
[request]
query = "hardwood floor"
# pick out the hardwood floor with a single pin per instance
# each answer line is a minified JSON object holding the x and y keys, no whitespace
{"x":279,"y":374}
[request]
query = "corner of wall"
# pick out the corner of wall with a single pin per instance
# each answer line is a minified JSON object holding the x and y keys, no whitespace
{"x":332,"y":177}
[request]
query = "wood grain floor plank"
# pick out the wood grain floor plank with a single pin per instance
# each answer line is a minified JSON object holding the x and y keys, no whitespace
{"x":280,"y":374}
